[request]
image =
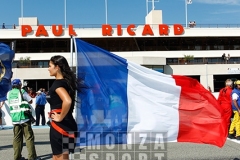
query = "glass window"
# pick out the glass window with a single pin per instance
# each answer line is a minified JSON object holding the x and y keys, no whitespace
{"x":162,"y":43}
{"x":45,"y":64}
{"x":158,"y":68}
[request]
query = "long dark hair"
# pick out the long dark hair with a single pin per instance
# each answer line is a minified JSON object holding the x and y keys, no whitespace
{"x":67,"y":73}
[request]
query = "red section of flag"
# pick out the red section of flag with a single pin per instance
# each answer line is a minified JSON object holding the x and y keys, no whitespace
{"x":201,"y":118}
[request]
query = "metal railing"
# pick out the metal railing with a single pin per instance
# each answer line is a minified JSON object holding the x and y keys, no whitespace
{"x":197,"y":63}
{"x":94,"y":26}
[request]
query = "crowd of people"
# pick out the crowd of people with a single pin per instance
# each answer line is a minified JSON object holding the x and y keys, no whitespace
{"x":4,"y":27}
{"x":229,"y":100}
{"x":225,"y":58}
{"x":192,"y":24}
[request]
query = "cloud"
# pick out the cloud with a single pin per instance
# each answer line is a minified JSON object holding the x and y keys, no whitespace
{"x":226,"y":12}
{"x":229,"y":2}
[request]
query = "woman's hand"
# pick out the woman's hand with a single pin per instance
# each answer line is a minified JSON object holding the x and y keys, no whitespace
{"x":56,"y":117}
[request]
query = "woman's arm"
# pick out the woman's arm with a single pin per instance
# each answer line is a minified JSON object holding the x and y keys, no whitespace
{"x":1,"y":104}
{"x":66,"y":104}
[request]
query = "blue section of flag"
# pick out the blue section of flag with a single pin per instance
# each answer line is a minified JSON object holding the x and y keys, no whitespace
{"x":6,"y":58}
{"x":103,"y":106}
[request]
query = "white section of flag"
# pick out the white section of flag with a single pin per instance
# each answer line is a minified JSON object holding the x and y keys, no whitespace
{"x":153,"y":98}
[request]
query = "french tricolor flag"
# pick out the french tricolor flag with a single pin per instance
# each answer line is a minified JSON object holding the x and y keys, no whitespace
{"x":124,"y":97}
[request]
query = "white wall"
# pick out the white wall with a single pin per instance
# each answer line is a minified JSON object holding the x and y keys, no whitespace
{"x":154,"y":17}
{"x":205,"y":71}
{"x":28,"y":21}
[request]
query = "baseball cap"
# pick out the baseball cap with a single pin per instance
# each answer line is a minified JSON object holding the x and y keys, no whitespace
{"x":16,"y":82}
{"x":237,"y":82}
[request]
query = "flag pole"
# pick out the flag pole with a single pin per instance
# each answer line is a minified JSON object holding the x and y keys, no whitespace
{"x":147,"y":6}
{"x":71,"y":53}
{"x":206,"y":75}
{"x":186,"y":11}
{"x":75,"y":49}
{"x":65,"y":13}
{"x":153,"y":5}
{"x":22,"y":10}
{"x":73,"y":44}
{"x":106,"y":11}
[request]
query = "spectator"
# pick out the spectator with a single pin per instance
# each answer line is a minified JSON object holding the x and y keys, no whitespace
{"x":223,"y":57}
{"x":227,"y":58}
{"x":44,"y":91}
{"x":31,"y":93}
{"x":190,"y":24}
{"x":194,"y":23}
{"x":235,"y":124}
{"x":14,"y":26}
{"x":40,"y":107}
{"x":225,"y":101}
{"x":3,"y":26}
{"x":20,"y":114}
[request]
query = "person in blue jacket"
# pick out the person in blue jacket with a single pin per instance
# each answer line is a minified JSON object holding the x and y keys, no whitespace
{"x":40,"y":107}
{"x":235,"y":125}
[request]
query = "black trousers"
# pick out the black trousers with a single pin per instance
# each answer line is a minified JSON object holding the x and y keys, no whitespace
{"x":40,"y":111}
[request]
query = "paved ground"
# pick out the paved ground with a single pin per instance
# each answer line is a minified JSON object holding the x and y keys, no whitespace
{"x":174,"y":151}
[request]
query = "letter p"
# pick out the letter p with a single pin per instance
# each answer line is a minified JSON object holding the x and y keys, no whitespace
{"x":26,"y":29}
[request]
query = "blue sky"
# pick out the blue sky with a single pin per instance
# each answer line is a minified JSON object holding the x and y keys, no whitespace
{"x":120,"y":11}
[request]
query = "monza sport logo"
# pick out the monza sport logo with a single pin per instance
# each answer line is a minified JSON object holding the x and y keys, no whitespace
{"x":112,"y":146}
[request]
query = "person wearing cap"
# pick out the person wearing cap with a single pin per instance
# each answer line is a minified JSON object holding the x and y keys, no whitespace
{"x":18,"y":101}
{"x":40,"y":107}
{"x":225,"y":101}
{"x":235,"y":125}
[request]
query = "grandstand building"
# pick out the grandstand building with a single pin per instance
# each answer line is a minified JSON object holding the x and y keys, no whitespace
{"x":171,"y":49}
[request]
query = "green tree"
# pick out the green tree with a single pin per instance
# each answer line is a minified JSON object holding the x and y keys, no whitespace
{"x":25,"y":61}
{"x":188,"y":58}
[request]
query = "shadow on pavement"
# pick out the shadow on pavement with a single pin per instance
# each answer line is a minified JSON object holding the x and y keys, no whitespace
{"x":24,"y":144}
{"x":46,"y":156}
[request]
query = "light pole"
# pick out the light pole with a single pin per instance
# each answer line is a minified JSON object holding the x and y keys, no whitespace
{"x":106,"y":11}
{"x":206,"y":75}
{"x":22,"y":11}
{"x":147,"y":6}
{"x":65,"y":13}
{"x":186,"y":12}
{"x":153,"y":5}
